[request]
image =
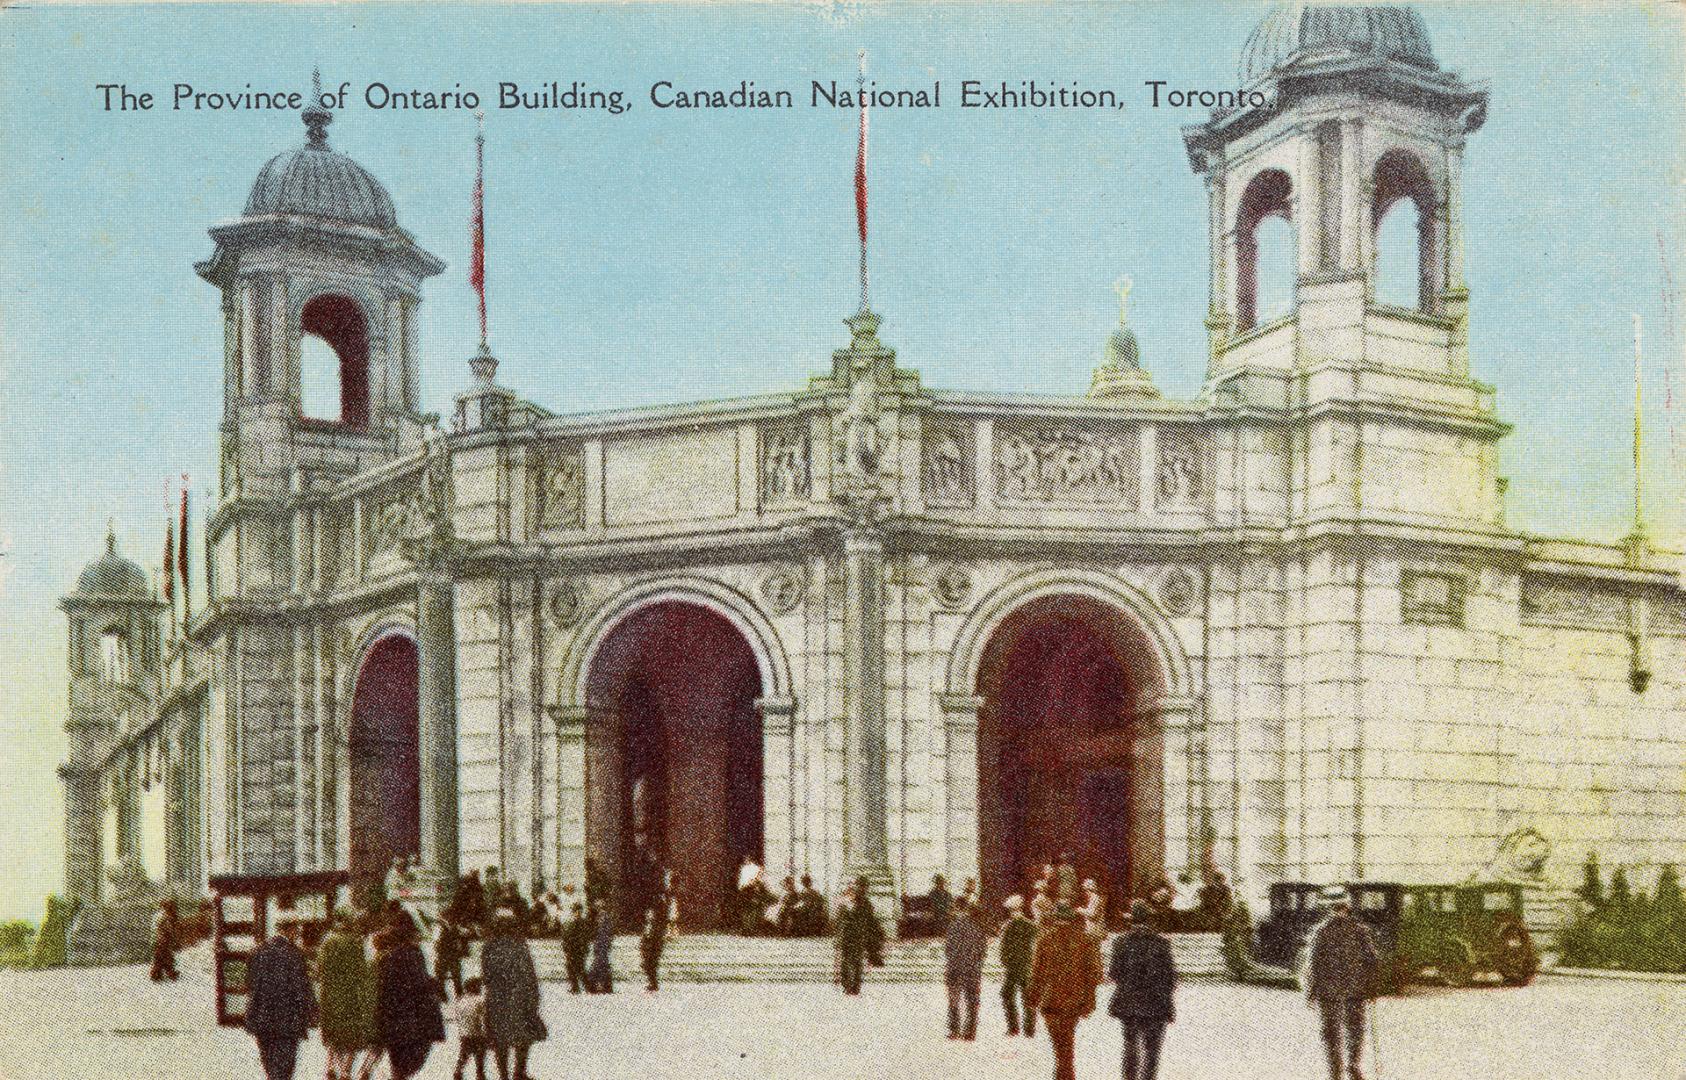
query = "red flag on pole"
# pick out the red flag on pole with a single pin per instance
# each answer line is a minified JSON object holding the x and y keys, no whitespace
{"x":477,"y":263}
{"x":860,"y":178}
{"x":169,"y":556}
{"x":181,"y":558}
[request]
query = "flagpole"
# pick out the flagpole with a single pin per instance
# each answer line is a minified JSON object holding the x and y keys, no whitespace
{"x":860,"y":181}
{"x":181,"y":562}
{"x":1638,"y":427}
{"x":480,"y":221}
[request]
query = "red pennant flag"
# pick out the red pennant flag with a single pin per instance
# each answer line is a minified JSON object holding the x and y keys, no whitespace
{"x":477,"y":262}
{"x":181,"y":557}
{"x":860,"y":170}
{"x":169,"y":554}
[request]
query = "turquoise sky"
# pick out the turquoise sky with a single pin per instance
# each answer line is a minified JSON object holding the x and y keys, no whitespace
{"x":659,"y":256}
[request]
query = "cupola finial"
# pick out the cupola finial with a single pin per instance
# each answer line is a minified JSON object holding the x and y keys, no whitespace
{"x":316,"y":115}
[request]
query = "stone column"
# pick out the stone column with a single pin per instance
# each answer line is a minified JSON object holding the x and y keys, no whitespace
{"x":1148,"y":810}
{"x":437,"y":696}
{"x":84,"y":854}
{"x":865,"y":832}
{"x":960,"y":784}
{"x":1182,"y":785}
{"x":778,"y":795}
{"x":570,"y":724}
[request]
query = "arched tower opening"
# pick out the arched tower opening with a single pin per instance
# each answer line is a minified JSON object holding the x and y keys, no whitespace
{"x":1267,"y":254}
{"x":334,"y":360}
{"x":1402,"y":216}
{"x":385,"y":758}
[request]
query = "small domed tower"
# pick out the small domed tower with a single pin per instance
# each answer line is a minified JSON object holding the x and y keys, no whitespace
{"x":114,"y":671}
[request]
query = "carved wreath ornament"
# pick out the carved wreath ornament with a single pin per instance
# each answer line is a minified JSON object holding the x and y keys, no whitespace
{"x":782,"y":590}
{"x":1177,"y":591}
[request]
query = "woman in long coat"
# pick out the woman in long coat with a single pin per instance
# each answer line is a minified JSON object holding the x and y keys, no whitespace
{"x":407,"y":1013}
{"x":347,"y":999}
{"x":512,"y":996}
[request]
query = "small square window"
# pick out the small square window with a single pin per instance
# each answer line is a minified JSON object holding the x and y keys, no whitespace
{"x":1432,"y":599}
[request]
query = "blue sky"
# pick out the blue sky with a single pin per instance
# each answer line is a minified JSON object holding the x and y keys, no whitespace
{"x":658,"y":256}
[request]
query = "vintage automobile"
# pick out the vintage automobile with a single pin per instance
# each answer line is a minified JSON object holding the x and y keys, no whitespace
{"x":1449,"y":932}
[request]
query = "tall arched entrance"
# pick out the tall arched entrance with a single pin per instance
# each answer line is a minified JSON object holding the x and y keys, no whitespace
{"x":1065,"y":765}
{"x":674,"y":758}
{"x":385,"y":780}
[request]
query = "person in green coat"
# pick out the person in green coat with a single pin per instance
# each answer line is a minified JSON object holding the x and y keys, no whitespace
{"x":347,"y":1000}
{"x":1018,"y":939}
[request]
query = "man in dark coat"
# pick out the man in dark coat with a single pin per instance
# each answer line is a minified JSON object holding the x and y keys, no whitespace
{"x":1065,"y":968}
{"x":963,"y":956}
{"x":810,"y":909}
{"x":853,"y":939}
{"x":1018,"y":938}
{"x":407,"y":1014}
{"x":1146,"y":979}
{"x":576,"y":943}
{"x":651,"y":940}
{"x":166,"y":930}
{"x":513,"y":1023}
{"x":279,"y":1000}
{"x":1340,"y":975}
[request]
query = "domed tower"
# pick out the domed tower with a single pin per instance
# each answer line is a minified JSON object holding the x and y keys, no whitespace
{"x":315,"y":267}
{"x":114,"y":671}
{"x":1344,"y":113}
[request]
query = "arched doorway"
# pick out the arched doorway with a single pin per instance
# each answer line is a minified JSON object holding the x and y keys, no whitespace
{"x":674,"y":758}
{"x":385,"y":780}
{"x":1065,"y":764}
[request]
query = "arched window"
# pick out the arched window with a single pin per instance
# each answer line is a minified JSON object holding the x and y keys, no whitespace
{"x":1256,"y":276}
{"x":334,"y":360}
{"x":114,"y":656}
{"x":1403,"y":235}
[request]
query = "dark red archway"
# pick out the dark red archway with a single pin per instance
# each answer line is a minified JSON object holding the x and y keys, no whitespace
{"x":673,"y":758}
{"x":1064,"y":763}
{"x":385,"y":780}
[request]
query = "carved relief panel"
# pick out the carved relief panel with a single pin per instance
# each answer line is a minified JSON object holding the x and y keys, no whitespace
{"x":784,"y":464}
{"x":559,"y":488}
{"x":388,"y":518}
{"x":1179,"y":476}
{"x":948,"y":465}
{"x":1068,"y":464}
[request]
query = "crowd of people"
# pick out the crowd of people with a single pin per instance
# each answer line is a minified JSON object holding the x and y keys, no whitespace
{"x":368,"y":985}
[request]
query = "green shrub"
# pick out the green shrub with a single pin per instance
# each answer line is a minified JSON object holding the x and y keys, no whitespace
{"x":1628,"y":930}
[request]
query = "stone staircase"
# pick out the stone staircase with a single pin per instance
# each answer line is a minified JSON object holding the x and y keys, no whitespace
{"x":720,"y":958}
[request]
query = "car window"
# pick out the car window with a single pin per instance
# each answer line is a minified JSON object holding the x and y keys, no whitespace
{"x":1496,"y":901}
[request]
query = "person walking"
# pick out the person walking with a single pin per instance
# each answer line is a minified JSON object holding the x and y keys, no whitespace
{"x":576,"y":944}
{"x":600,"y":979}
{"x":513,"y":1023}
{"x":651,"y":942}
{"x":1340,"y":976}
{"x":470,"y":1015}
{"x":1018,"y":938}
{"x":348,"y":998}
{"x":166,"y":933}
{"x":279,"y":1000}
{"x":408,"y":1019}
{"x":1065,"y":969}
{"x":853,"y":933}
{"x":963,"y":956}
{"x":1143,"y":1001}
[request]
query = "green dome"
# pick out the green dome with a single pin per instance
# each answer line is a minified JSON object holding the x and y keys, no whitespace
{"x":112,"y":575}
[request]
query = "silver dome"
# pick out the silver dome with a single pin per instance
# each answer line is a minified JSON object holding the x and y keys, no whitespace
{"x":1296,"y":32}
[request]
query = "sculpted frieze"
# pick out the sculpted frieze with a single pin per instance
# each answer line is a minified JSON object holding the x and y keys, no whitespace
{"x":1552,"y":600}
{"x":1067,"y":464}
{"x":948,"y":465}
{"x":1179,"y":476}
{"x":559,"y":488}
{"x":784,"y":464}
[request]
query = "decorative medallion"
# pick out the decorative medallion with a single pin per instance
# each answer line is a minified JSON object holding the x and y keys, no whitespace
{"x":782,"y":590}
{"x":952,"y":586}
{"x":1177,"y":591}
{"x":565,"y":605}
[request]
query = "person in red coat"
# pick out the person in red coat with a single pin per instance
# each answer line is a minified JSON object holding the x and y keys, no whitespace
{"x":1065,"y":969}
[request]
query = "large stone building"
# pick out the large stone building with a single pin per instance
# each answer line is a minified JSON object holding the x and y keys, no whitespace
{"x":866,"y":626}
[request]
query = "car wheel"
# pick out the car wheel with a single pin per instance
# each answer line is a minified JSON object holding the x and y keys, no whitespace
{"x":1517,"y":962}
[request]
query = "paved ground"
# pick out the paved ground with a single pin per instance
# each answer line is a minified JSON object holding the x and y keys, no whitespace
{"x":112,"y":1023}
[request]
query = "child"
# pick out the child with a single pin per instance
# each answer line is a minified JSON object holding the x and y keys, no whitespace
{"x":471,"y":1028}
